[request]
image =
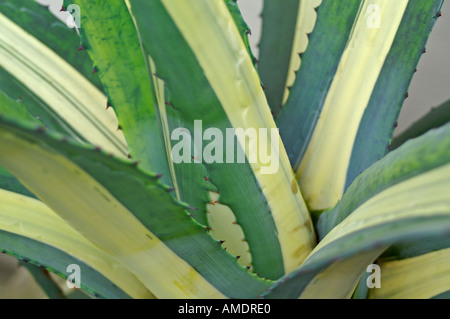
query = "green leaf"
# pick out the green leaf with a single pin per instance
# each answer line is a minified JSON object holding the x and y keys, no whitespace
{"x":142,"y":226}
{"x":419,"y":277}
{"x":244,"y":29}
{"x":413,"y":158}
{"x":381,"y":114}
{"x":43,"y":279}
{"x":400,"y":198}
{"x":335,"y":20}
{"x":435,"y":118}
{"x":18,"y":111}
{"x":44,"y":74}
{"x":340,"y":118}
{"x":275,"y":227}
{"x":109,"y":35}
{"x":37,"y":20}
{"x":285,"y":32}
{"x":30,"y":231}
{"x":278,"y":31}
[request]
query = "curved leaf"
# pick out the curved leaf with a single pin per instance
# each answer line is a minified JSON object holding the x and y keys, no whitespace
{"x":142,"y":226}
{"x":32,"y":232}
{"x":225,"y":95}
{"x":110,"y":37}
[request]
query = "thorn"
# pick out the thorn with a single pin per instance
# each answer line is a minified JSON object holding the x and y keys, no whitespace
{"x":119,"y":128}
{"x":248,"y":267}
{"x":406,"y":95}
{"x":248,"y":32}
{"x":98,"y":148}
{"x":171,"y":189}
{"x":159,"y":176}
{"x":108,"y":105}
{"x":237,"y":257}
{"x":264,"y":87}
{"x":168,"y":103}
{"x":136,"y":164}
{"x":192,"y":208}
{"x":206,"y":179}
{"x":63,"y":8}
{"x":25,"y":260}
{"x":424,"y":50}
{"x":94,"y":70}
{"x":81,"y":48}
{"x":208,"y":228}
{"x":129,"y":156}
{"x":212,"y":203}
{"x":222,"y":241}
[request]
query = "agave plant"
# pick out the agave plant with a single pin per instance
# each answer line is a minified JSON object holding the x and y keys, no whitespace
{"x":161,"y":159}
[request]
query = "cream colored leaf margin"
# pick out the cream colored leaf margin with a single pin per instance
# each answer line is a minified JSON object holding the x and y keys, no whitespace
{"x":306,"y":22}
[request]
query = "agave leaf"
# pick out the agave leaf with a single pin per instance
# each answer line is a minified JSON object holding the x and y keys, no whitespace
{"x":398,"y":206}
{"x":444,"y":295}
{"x":347,"y":106}
{"x":419,"y":156}
{"x":44,"y":26}
{"x":435,"y":118}
{"x":172,"y":255}
{"x":65,"y":91}
{"x":30,"y":231}
{"x":225,"y":95}
{"x":109,"y":35}
{"x":37,"y":20}
{"x":286,"y":28}
{"x":419,"y":277}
